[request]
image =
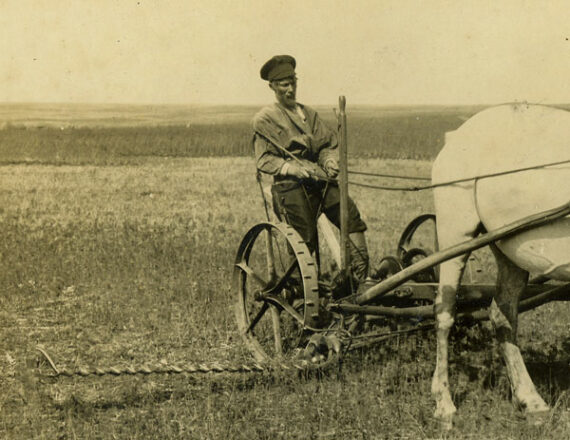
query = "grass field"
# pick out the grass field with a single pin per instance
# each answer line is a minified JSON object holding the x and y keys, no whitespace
{"x":127,"y":259}
{"x":121,"y":136}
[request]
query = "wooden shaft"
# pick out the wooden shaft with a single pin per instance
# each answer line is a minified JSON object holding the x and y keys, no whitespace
{"x":419,"y":311}
{"x":462,"y":248}
{"x":343,"y":188}
{"x":467,"y":292}
{"x":559,"y":293}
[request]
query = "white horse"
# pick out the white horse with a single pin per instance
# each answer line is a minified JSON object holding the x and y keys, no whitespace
{"x":502,"y":138}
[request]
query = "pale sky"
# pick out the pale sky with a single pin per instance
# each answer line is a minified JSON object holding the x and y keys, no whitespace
{"x":383,"y":52}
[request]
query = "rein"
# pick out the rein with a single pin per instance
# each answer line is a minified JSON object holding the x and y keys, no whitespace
{"x":394,"y":176}
{"x":448,"y":183}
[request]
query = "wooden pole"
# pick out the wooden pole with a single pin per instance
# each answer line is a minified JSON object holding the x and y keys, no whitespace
{"x":343,"y":187}
{"x":558,"y":293}
{"x":523,"y":224}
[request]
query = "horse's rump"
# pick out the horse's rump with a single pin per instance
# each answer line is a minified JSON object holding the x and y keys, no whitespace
{"x":508,"y":138}
{"x":502,"y":200}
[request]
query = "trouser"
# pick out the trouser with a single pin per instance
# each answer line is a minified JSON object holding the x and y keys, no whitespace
{"x":300,"y":204}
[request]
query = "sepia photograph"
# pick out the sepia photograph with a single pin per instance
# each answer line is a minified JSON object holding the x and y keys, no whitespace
{"x":321,"y":220}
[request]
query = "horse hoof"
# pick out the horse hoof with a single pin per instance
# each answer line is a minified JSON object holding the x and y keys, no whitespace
{"x":446,"y":422}
{"x":537,"y":418}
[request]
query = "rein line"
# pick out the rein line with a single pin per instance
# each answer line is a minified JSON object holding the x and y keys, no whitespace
{"x":408,"y":188}
{"x":391,"y":176}
{"x":448,"y":183}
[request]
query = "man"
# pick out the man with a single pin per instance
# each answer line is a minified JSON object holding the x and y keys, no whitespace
{"x":300,"y":152}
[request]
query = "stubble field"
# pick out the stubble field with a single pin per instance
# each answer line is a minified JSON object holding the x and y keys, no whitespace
{"x":116,"y":250}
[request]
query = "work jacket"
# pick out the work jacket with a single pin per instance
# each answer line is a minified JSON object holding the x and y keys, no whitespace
{"x":277,"y":129}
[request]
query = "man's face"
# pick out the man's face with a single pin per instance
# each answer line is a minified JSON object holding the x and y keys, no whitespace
{"x":285,"y":91}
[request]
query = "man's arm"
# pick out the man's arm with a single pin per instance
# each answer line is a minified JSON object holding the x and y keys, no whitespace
{"x":271,"y":163}
{"x":267,"y":159}
{"x":272,"y":158}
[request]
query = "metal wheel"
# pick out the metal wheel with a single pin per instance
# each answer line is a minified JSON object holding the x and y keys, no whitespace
{"x":419,"y":240}
{"x":275,"y":279}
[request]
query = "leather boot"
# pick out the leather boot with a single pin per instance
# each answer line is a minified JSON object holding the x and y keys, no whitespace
{"x":359,"y":260}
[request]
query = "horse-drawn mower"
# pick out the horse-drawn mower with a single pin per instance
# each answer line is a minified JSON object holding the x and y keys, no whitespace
{"x":292,"y":311}
{"x":286,"y":308}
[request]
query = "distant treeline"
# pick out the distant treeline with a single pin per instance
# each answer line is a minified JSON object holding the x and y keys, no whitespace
{"x":397,"y":134}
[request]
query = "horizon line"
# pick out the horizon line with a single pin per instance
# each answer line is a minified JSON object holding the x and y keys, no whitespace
{"x":203,"y":104}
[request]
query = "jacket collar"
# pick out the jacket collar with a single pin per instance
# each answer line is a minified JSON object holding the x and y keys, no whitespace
{"x":303,"y":126}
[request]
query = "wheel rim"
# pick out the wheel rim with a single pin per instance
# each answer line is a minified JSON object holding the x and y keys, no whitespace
{"x":274,"y":268}
{"x":408,"y":252}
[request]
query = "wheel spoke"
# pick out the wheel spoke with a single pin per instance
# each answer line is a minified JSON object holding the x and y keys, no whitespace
{"x":285,"y":306}
{"x":249,"y":271}
{"x":270,"y":255}
{"x":259,"y":315}
{"x":281,"y":281}
{"x":277,"y":331}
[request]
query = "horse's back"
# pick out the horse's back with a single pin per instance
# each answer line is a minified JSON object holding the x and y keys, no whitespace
{"x":507,"y":138}
{"x":503,"y":138}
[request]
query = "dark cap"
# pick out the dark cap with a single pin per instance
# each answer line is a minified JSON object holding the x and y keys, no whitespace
{"x":278,"y":67}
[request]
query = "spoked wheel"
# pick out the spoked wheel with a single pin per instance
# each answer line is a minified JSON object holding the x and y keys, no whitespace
{"x":277,"y":291}
{"x":419,"y":240}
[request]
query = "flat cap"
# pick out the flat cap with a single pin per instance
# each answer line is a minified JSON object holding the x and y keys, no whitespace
{"x":278,"y":67}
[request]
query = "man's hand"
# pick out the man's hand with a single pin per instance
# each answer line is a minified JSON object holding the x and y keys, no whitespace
{"x":331,"y":168}
{"x":295,"y":169}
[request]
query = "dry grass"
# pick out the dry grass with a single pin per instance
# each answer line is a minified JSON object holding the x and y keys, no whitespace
{"x":129,"y":263}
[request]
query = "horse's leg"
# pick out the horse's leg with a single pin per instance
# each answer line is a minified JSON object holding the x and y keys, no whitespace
{"x":511,"y":281}
{"x":450,"y":274}
{"x":457,"y":221}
